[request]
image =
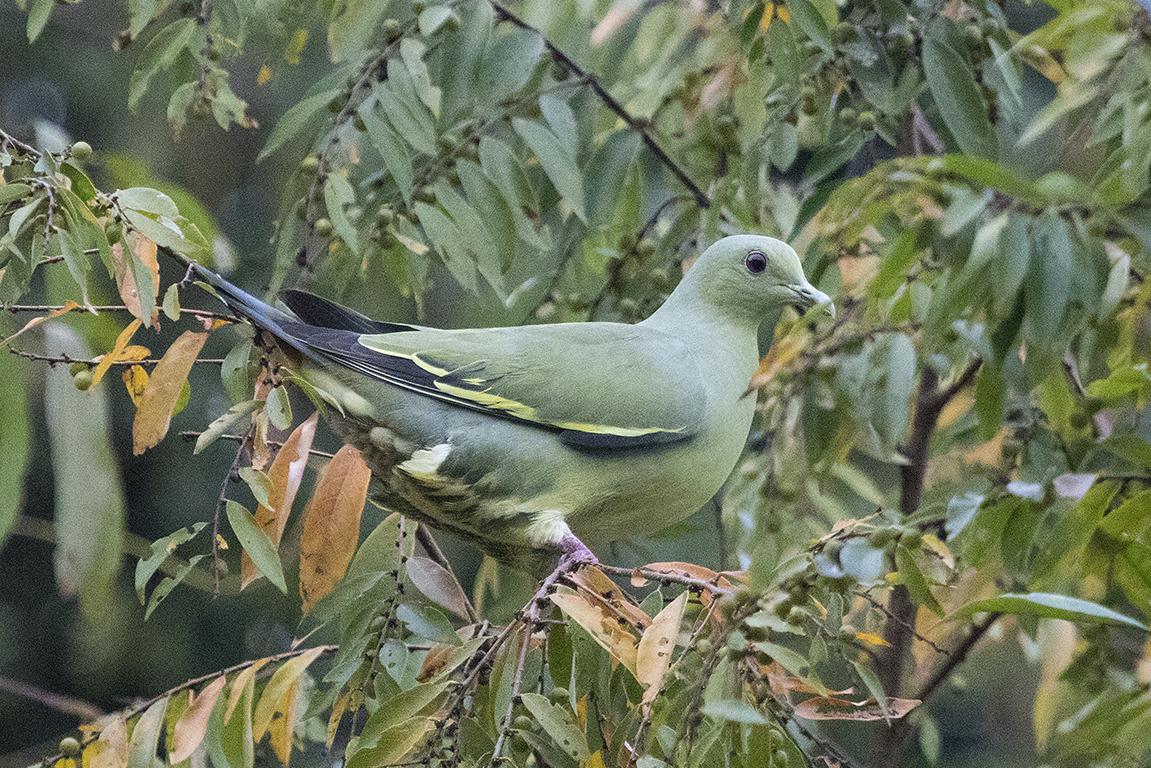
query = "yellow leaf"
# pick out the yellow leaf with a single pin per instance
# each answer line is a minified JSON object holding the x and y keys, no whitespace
{"x":595,"y":760}
{"x":285,"y":475}
{"x":241,"y":682}
{"x":193,"y":724}
{"x":111,"y":749}
{"x":332,"y":524}
{"x":117,"y":349}
{"x":67,"y":307}
{"x":602,"y":625}
{"x":125,"y":275}
{"x":296,"y":46}
{"x":135,"y":381}
{"x":264,"y":75}
{"x":781,"y":354}
{"x":653,"y":657}
{"x":273,"y":694}
{"x":154,"y":413}
{"x":872,"y":639}
{"x":283,"y":724}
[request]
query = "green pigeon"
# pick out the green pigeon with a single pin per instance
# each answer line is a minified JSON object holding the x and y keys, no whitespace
{"x":537,"y":440}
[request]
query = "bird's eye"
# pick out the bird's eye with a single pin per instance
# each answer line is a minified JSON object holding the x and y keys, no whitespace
{"x":755,"y":262}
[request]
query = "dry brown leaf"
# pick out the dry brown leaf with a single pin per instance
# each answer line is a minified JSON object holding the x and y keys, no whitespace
{"x":125,"y":275}
{"x":193,"y":724}
{"x":67,"y":307}
{"x":285,"y":475}
{"x":780,"y":681}
{"x":599,"y":589}
{"x":827,"y":708}
{"x":782,"y":353}
{"x":332,"y":524}
{"x":603,"y":626}
{"x":438,"y":585}
{"x":154,"y":413}
{"x":656,"y":646}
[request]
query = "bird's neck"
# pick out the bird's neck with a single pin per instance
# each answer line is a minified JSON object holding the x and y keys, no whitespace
{"x":726,"y":339}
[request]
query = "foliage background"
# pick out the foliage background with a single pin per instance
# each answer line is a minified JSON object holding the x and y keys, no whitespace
{"x":728,"y":137}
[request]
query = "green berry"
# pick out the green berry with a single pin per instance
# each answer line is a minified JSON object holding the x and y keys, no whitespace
{"x":391,"y":29}
{"x":354,"y":213}
{"x":69,"y":747}
{"x":703,"y":646}
{"x":310,"y":164}
{"x":645,"y":247}
{"x":866,"y":120}
{"x":847,"y":116}
{"x":796,"y":615}
{"x":452,"y":23}
{"x":780,"y":759}
{"x":75,"y":368}
{"x":558,"y":694}
{"x":83,"y":380}
{"x":973,"y":35}
{"x":385,"y":215}
{"x":523,"y":723}
{"x":81,"y":150}
{"x":323,"y":227}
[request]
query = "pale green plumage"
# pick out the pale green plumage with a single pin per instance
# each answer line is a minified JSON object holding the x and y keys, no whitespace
{"x":518,"y":437}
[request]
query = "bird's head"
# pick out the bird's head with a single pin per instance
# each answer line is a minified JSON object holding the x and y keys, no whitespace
{"x":753,"y":275}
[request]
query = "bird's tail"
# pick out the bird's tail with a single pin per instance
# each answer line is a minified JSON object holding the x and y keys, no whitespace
{"x":256,"y":311}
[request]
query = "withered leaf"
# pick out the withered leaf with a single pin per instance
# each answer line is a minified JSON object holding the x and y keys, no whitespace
{"x":154,"y":413}
{"x":332,"y":524}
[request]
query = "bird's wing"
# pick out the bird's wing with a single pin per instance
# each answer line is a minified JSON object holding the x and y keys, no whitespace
{"x":599,"y":385}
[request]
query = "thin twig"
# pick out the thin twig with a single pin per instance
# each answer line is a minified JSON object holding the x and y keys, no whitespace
{"x":221,"y":503}
{"x":907,"y":625}
{"x":8,"y":140}
{"x":64,"y":359}
{"x":190,"y":435}
{"x":69,"y":705}
{"x":634,"y":123}
{"x":47,"y":308}
{"x":136,"y":709}
{"x":665,"y":577}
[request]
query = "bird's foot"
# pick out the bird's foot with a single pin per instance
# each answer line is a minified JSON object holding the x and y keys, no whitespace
{"x":574,"y":554}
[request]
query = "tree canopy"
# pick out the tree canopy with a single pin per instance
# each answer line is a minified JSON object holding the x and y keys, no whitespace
{"x":949,"y":478}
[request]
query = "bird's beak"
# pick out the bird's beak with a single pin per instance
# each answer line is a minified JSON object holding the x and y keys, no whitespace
{"x":808,"y":296}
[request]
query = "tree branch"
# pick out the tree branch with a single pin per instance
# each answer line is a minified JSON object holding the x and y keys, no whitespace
{"x":86,"y":711}
{"x":64,"y":359}
{"x":639,"y":126}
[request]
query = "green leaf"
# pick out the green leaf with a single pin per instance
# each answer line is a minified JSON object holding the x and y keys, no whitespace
{"x":809,"y":20}
{"x":169,"y":583}
{"x":339,"y":195}
{"x":958,"y":97}
{"x":734,"y":711}
{"x":258,"y":483}
{"x":397,"y":708}
{"x":1048,"y":286}
{"x":14,"y":442}
{"x":160,"y":54}
{"x":257,"y":544}
{"x":559,"y":724}
{"x":146,"y":735}
{"x":914,"y":579}
{"x":426,"y":621}
{"x":38,"y":17}
{"x":431,"y":19}
{"x":279,"y":408}
{"x":1049,"y":606}
{"x":140,"y":12}
{"x":606,"y":173}
{"x":557,"y":160}
{"x":162,"y":549}
{"x":234,"y":372}
{"x":874,"y":687}
{"x":14,"y":191}
{"x":220,"y":426}
{"x":392,"y":744}
{"x":295,"y":120}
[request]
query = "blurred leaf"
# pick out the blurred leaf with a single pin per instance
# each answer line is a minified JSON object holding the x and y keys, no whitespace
{"x":14,"y":443}
{"x":146,"y":735}
{"x":557,"y":160}
{"x":189,"y":730}
{"x":89,"y":497}
{"x":331,"y":524}
{"x":393,"y":744}
{"x":1049,"y":606}
{"x":279,"y":408}
{"x":220,"y":425}
{"x":162,"y":549}
{"x":293,"y":122}
{"x":914,"y":579}
{"x":438,"y":585}
{"x":957,"y":96}
{"x":159,"y":54}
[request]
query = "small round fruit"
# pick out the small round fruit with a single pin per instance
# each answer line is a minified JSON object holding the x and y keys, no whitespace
{"x":558,"y":694}
{"x":848,"y":116}
{"x":780,"y":759}
{"x":323,"y":227}
{"x":385,"y":215}
{"x":973,"y":35}
{"x":645,"y":247}
{"x":83,"y":380}
{"x":523,"y":723}
{"x":703,"y":646}
{"x":452,"y":22}
{"x":866,"y":120}
{"x":81,"y":150}
{"x":391,"y":29}
{"x":75,"y":368}
{"x":69,"y":747}
{"x":843,"y":32}
{"x":796,"y":615}
{"x":310,"y":164}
